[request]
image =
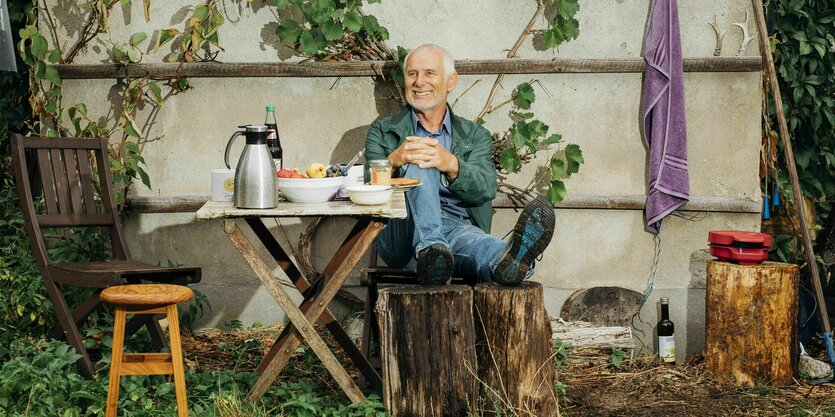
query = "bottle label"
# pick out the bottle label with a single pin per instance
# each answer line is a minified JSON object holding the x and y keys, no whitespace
{"x":277,"y":162}
{"x":667,"y":348}
{"x":272,"y":135}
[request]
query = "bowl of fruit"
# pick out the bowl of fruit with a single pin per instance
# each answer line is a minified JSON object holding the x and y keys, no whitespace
{"x":317,"y":184}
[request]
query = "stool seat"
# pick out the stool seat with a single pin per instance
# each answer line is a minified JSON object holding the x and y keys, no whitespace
{"x":146,"y":294}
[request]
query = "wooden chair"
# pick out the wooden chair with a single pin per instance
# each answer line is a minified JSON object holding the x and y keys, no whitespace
{"x":371,"y":278}
{"x":146,"y":299}
{"x":71,"y":180}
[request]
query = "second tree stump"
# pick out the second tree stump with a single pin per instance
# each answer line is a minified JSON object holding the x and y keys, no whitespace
{"x":515,"y":351}
{"x":751,"y":322}
{"x":427,"y":338}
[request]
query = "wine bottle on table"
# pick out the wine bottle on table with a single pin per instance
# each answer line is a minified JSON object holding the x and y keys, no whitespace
{"x":273,"y":140}
{"x":666,"y":334}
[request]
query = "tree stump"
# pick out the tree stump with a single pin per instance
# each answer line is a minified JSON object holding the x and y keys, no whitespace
{"x":516,"y":366}
{"x":427,"y":339}
{"x":751,"y":322}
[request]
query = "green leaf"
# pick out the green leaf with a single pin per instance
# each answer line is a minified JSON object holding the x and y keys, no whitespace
{"x":130,"y":129}
{"x":332,"y":30}
{"x":312,"y":41}
{"x":556,"y":191}
{"x":557,"y":169}
{"x":201,"y":12}
{"x":51,"y":106}
{"x":131,"y":147}
{"x":568,"y":8}
{"x":288,"y":31}
{"x":51,"y":74}
{"x":551,"y":140}
{"x":537,"y":128}
{"x":82,"y":108}
{"x":54,"y":56}
{"x":134,"y":55}
{"x":616,"y":358}
{"x":524,"y":96}
{"x":165,"y":35}
{"x":281,"y":4}
{"x":519,"y":134}
{"x":39,"y":47}
{"x":352,"y":21}
{"x":552,"y":38}
{"x":509,"y":160}
{"x":574,"y":156}
{"x":480,"y":121}
{"x":371,"y":24}
{"x":521,"y":115}
{"x":571,"y":29}
{"x":153,"y":87}
{"x":137,"y":38}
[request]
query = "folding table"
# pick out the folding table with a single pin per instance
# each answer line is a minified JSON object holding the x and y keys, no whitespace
{"x":370,"y":221}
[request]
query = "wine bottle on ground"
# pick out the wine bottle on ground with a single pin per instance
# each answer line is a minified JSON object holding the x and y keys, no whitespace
{"x":273,"y":140}
{"x":666,"y":334}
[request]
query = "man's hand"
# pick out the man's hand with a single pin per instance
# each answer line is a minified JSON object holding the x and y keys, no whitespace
{"x":425,"y":153}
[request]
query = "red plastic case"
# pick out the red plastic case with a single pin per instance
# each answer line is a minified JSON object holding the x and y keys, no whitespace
{"x":744,"y":248}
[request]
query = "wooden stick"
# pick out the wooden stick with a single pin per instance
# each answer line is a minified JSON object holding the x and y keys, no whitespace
{"x":765,"y":50}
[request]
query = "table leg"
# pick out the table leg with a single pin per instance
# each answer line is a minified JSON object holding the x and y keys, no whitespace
{"x":318,"y":304}
{"x":302,"y":325}
{"x":302,"y":284}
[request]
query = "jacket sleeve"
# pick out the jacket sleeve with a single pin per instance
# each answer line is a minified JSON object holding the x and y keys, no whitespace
{"x":476,"y":182}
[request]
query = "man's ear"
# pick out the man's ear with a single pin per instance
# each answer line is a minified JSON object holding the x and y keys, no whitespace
{"x":453,"y":80}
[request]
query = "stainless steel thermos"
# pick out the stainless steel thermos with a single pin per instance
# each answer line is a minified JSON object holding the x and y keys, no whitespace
{"x":255,"y":173}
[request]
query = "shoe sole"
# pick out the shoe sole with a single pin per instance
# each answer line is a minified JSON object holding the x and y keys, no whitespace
{"x":434,"y":267}
{"x":531,"y":235}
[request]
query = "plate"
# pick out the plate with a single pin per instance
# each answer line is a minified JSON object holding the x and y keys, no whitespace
{"x":406,"y":187}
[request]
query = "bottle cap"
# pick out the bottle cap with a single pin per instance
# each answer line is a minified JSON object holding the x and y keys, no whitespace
{"x":271,"y":107}
{"x":665,"y":300}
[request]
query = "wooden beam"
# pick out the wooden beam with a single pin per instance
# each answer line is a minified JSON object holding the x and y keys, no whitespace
{"x":190,"y":204}
{"x":371,"y":68}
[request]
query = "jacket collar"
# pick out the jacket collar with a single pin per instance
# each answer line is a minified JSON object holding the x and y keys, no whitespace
{"x":401,"y":125}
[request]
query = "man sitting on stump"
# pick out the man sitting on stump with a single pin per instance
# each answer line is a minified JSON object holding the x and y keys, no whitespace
{"x":449,"y":215}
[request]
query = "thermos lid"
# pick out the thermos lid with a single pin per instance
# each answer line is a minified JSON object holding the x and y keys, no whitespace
{"x":256,"y":128}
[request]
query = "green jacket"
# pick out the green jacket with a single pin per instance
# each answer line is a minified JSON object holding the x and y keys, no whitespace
{"x":471,"y":144}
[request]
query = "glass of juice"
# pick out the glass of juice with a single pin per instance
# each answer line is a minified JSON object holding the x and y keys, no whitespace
{"x":380,"y":172}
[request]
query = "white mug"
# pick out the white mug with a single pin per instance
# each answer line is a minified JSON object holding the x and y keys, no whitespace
{"x":223,"y":184}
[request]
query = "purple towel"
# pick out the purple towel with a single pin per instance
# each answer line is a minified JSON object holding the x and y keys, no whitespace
{"x":664,"y":128}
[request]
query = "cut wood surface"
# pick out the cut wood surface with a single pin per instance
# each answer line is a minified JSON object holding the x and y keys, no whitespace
{"x":751,"y":322}
{"x":516,"y":367}
{"x":584,"y":334}
{"x":427,"y":339}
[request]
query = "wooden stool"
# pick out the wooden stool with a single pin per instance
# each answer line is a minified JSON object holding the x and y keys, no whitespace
{"x":146,"y":299}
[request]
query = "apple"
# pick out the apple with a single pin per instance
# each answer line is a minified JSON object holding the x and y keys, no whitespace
{"x":284,"y":173}
{"x":316,"y":170}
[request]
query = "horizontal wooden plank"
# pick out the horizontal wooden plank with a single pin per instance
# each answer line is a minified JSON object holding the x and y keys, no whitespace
{"x":71,"y":220}
{"x":394,"y":208}
{"x":190,"y":204}
{"x":37,"y":142}
{"x":371,"y":68}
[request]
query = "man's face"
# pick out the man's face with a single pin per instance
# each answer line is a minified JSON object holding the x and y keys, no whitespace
{"x":427,"y":87}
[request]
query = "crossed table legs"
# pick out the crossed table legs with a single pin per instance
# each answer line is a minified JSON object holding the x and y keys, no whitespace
{"x":315,"y":305}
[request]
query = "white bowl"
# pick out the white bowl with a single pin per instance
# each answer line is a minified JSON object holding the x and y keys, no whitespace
{"x":309,"y":190}
{"x":369,"y":195}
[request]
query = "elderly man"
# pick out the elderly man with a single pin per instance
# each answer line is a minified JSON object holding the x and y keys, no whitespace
{"x":450,"y":213}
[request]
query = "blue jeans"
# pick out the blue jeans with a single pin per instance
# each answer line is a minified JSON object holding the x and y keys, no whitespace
{"x":475,"y":253}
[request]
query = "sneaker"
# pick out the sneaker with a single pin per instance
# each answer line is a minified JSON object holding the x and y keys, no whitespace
{"x":434,"y":265}
{"x":531,"y":235}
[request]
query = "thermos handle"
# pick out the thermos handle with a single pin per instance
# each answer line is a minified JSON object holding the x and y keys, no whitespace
{"x":228,"y":147}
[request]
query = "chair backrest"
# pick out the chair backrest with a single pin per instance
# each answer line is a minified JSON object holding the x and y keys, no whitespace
{"x":72,"y":177}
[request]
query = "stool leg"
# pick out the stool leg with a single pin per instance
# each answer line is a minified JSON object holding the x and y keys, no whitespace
{"x":116,"y":362}
{"x":177,"y":360}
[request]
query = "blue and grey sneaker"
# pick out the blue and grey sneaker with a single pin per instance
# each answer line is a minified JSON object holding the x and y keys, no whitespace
{"x":434,"y":265}
{"x":531,"y":235}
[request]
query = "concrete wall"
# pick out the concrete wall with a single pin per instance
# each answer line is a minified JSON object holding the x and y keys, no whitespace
{"x":326,"y":120}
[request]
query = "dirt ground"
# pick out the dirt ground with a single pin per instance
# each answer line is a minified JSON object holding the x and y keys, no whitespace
{"x":642,"y":387}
